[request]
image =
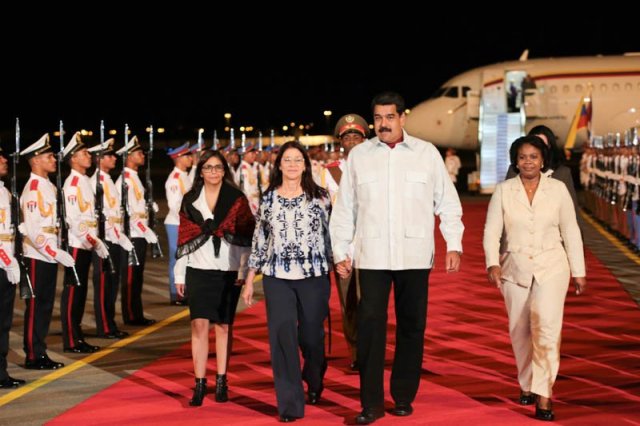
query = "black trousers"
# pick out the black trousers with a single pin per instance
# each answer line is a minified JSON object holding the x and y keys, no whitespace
{"x":411,"y":289}
{"x":37,"y":315}
{"x":74,"y":298}
{"x":131,"y":279}
{"x":105,"y":289}
{"x":296,"y":310}
{"x":7,"y":296}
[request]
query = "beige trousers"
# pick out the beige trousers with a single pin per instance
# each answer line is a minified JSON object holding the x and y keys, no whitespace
{"x":535,"y":327}
{"x":349,"y":294}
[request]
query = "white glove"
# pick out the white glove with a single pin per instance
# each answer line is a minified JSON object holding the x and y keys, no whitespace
{"x":64,"y":258}
{"x":125,"y":243}
{"x":13,"y":271}
{"x":150,"y":236}
{"x":101,"y":249}
{"x":156,"y":209}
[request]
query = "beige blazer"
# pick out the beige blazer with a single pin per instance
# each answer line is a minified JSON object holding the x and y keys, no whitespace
{"x":543,"y":239}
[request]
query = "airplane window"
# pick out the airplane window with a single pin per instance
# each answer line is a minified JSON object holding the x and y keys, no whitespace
{"x":553,"y":89}
{"x":565,"y":88}
{"x":465,"y":89}
{"x":452,"y":92}
{"x":616,"y":87}
{"x":603,"y":87}
{"x":579,"y":88}
{"x":628,"y":87}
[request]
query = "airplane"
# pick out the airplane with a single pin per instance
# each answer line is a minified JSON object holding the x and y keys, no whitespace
{"x":487,"y":108}
{"x":540,"y":91}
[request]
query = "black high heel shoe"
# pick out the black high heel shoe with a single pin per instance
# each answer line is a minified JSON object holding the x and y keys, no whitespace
{"x":545,"y":414}
{"x":527,"y":398}
{"x":198,"y":392}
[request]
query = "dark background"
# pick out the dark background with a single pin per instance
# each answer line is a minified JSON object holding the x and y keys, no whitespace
{"x":183,"y":69}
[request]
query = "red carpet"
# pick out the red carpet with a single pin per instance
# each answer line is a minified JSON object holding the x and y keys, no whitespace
{"x":469,"y":371}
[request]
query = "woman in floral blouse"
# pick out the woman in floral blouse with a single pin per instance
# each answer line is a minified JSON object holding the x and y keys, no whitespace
{"x":291,"y":248}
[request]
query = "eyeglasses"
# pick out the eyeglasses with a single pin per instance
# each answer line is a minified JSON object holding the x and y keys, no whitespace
{"x":293,"y":160}
{"x":218,"y":168}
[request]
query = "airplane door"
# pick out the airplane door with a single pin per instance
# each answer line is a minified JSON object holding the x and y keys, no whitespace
{"x":473,"y":104}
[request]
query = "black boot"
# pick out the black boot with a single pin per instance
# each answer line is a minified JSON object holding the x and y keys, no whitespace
{"x":198,"y":392}
{"x":221,"y":388}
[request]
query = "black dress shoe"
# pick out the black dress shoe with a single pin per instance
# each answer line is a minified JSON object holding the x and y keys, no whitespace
{"x":545,"y":414}
{"x":287,"y":419}
{"x":42,"y":363}
{"x":142,"y":321}
{"x":527,"y":399}
{"x":369,"y":415}
{"x":402,"y":409}
{"x":83,"y":347}
{"x":10,"y":382}
{"x":354,"y":366}
{"x":314,"y":397}
{"x":118,"y":334}
{"x":180,"y":302}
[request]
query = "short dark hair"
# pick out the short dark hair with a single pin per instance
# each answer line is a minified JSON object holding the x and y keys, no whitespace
{"x":389,"y":98}
{"x":535,"y":142}
{"x":555,"y":154}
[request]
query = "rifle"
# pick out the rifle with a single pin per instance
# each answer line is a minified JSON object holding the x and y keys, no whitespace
{"x":124,"y":200}
{"x":243,"y":146}
{"x":99,"y":202}
{"x":156,"y":250}
{"x":63,"y":230}
{"x":26,"y":289}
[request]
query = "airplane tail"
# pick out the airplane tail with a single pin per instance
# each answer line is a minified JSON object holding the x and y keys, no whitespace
{"x":581,"y":119}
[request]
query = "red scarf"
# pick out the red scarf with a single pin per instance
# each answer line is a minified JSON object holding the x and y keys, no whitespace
{"x":232,"y":220}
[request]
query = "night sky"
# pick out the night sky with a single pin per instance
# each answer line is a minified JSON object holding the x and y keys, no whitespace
{"x":162,"y":74}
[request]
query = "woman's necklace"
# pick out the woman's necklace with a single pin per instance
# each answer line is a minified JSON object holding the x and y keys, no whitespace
{"x":532,"y":189}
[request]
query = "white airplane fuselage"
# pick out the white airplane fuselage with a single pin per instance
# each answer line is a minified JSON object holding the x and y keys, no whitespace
{"x":451,"y":118}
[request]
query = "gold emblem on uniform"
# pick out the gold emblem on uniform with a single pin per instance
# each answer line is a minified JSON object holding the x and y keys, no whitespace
{"x":40,"y":240}
{"x":349,"y":119}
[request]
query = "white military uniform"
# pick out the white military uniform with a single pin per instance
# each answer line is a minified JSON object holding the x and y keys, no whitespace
{"x":136,"y":204}
{"x":177,"y":184}
{"x":248,"y":181}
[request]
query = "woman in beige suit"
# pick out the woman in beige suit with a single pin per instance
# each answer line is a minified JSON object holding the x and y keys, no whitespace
{"x":543,"y":249}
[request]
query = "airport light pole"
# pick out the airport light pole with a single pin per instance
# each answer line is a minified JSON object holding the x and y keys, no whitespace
{"x":327,"y":115}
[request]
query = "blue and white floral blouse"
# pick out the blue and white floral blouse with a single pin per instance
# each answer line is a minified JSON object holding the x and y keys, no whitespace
{"x":291,"y":240}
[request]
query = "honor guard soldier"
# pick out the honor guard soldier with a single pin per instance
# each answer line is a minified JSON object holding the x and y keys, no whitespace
{"x":132,"y":270}
{"x":83,"y":240}
{"x":177,"y":184}
{"x":248,"y":179}
{"x":9,"y":277}
{"x":350,"y":130}
{"x":42,"y":254}
{"x":105,"y":283}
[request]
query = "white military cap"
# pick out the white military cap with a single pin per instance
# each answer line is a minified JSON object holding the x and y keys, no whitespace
{"x":73,"y":146}
{"x":104,"y":148}
{"x":131,"y":147}
{"x":41,"y":146}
